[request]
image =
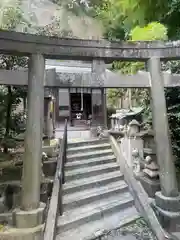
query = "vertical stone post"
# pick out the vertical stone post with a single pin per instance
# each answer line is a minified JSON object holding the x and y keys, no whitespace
{"x":116,"y":123}
{"x":31,"y":211}
{"x":114,"y":119}
{"x":56,"y":95}
{"x":162,"y":138}
{"x":70,"y":109}
{"x":104,"y":107}
{"x":112,"y":122}
{"x":132,"y":141}
{"x":168,"y":200}
{"x":98,"y":76}
{"x":54,"y":114}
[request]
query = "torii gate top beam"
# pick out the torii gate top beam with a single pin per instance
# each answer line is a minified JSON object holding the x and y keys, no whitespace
{"x":87,"y":79}
{"x":77,"y":49}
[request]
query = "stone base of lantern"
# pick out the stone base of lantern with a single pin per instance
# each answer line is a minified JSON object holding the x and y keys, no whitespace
{"x":23,"y":234}
{"x":28,"y":219}
{"x":26,"y":225}
{"x":151,"y":186}
{"x":168,"y":211}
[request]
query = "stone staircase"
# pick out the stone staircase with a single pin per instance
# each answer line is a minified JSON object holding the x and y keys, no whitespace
{"x":96,"y":198}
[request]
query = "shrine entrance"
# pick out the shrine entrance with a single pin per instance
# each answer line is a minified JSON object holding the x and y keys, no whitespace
{"x":81,"y":106}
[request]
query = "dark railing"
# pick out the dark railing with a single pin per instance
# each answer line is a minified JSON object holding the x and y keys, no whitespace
{"x":55,"y":206}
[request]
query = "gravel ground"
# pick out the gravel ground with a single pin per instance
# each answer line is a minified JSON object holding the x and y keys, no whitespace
{"x":137,"y":230}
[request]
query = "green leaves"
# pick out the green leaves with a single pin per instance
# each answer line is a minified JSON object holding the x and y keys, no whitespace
{"x":11,"y":14}
{"x":152,"y":31}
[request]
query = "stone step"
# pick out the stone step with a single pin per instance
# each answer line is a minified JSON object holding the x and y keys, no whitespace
{"x":93,"y":230}
{"x":91,"y":182}
{"x":89,"y":162}
{"x":89,"y":154}
{"x":95,"y":196}
{"x":95,"y":147}
{"x":120,"y":208}
{"x":90,"y":171}
{"x":86,"y":142}
{"x":89,"y":212}
{"x":88,"y":196}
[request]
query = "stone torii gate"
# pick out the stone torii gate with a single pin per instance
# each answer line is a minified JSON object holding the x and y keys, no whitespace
{"x":40,"y":47}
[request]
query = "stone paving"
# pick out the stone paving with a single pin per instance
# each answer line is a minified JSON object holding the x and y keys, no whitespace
{"x":74,"y":133}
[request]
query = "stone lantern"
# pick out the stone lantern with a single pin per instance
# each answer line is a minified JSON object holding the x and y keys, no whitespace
{"x":131,"y":141}
{"x":133,"y":128}
{"x":148,"y":137}
{"x":149,"y":144}
{"x":136,"y":163}
{"x":150,"y":179}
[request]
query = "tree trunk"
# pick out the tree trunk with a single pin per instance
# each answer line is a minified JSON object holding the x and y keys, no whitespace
{"x":8,"y":117}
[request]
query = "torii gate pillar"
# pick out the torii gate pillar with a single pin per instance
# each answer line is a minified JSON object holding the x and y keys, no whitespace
{"x":167,"y":202}
{"x":30,"y":214}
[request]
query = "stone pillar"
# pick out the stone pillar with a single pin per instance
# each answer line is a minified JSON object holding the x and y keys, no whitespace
{"x":104,"y":107}
{"x":98,"y":75}
{"x":56,"y":95}
{"x":132,"y":141}
{"x":70,"y":109}
{"x":168,"y":200}
{"x":54,"y":114}
{"x":112,"y":122}
{"x":30,"y":214}
{"x":116,"y":124}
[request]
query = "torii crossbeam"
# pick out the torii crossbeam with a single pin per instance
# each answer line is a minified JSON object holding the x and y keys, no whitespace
{"x":78,"y":49}
{"x":66,"y":80}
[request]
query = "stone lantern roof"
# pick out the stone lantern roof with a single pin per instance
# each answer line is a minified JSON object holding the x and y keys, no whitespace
{"x":123,"y":113}
{"x":134,"y":123}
